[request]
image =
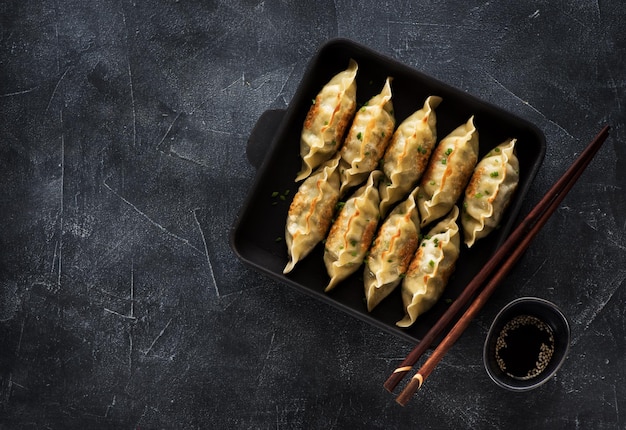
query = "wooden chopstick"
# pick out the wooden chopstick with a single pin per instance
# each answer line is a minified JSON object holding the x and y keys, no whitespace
{"x":502,"y":261}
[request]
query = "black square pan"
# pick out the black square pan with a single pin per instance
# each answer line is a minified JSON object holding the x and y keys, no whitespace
{"x":256,"y":236}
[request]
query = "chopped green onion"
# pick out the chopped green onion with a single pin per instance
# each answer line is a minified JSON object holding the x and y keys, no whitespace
{"x":494,"y":174}
{"x":359,"y":136}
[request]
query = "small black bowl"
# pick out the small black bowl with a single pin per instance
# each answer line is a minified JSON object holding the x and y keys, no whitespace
{"x":551,"y":329}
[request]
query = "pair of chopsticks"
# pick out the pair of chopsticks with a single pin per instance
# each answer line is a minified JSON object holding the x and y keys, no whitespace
{"x":496,"y":269}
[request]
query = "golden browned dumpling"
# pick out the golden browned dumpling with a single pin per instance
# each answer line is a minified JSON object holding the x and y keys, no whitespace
{"x":431,"y":268}
{"x":407,"y":155}
{"x":352,"y":232}
{"x":489,"y":192}
{"x":391,"y":252}
{"x":367,"y":139}
{"x":311,"y":212}
{"x":327,"y":120}
{"x":448,"y":172}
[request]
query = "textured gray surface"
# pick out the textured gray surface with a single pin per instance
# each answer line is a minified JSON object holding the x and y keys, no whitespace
{"x":122,"y":152}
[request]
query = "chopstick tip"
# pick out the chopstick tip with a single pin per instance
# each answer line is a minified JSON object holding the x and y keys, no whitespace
{"x":414,"y":384}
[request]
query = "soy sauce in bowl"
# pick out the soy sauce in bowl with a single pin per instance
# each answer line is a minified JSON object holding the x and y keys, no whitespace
{"x":524,"y":347}
{"x":526,"y":344}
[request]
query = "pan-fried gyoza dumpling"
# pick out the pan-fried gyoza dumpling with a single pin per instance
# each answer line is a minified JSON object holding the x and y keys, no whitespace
{"x":352,"y":232}
{"x":327,"y":120}
{"x":489,"y":192}
{"x":407,"y":155}
{"x":311,"y":212}
{"x":448,"y":172}
{"x":431,"y":268}
{"x":392,"y":251}
{"x":367,"y":139}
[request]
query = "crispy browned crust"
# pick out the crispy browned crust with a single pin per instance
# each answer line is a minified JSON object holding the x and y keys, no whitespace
{"x":344,"y":122}
{"x":407,"y":253}
{"x":310,"y":116}
{"x":368,"y":235}
{"x":472,"y":187}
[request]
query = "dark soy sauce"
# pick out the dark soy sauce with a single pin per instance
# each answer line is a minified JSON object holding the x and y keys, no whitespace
{"x":524,"y":347}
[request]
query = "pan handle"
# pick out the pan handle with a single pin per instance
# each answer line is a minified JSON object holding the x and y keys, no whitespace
{"x":262,"y":135}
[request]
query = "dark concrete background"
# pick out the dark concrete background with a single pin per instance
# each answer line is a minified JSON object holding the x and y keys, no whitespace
{"x":122,"y":159}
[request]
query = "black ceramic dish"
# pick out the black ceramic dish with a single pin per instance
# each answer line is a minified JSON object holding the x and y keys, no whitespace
{"x":256,"y":234}
{"x":544,"y":311}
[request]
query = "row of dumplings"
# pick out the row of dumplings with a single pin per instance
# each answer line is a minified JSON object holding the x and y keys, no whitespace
{"x":402,"y":221}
